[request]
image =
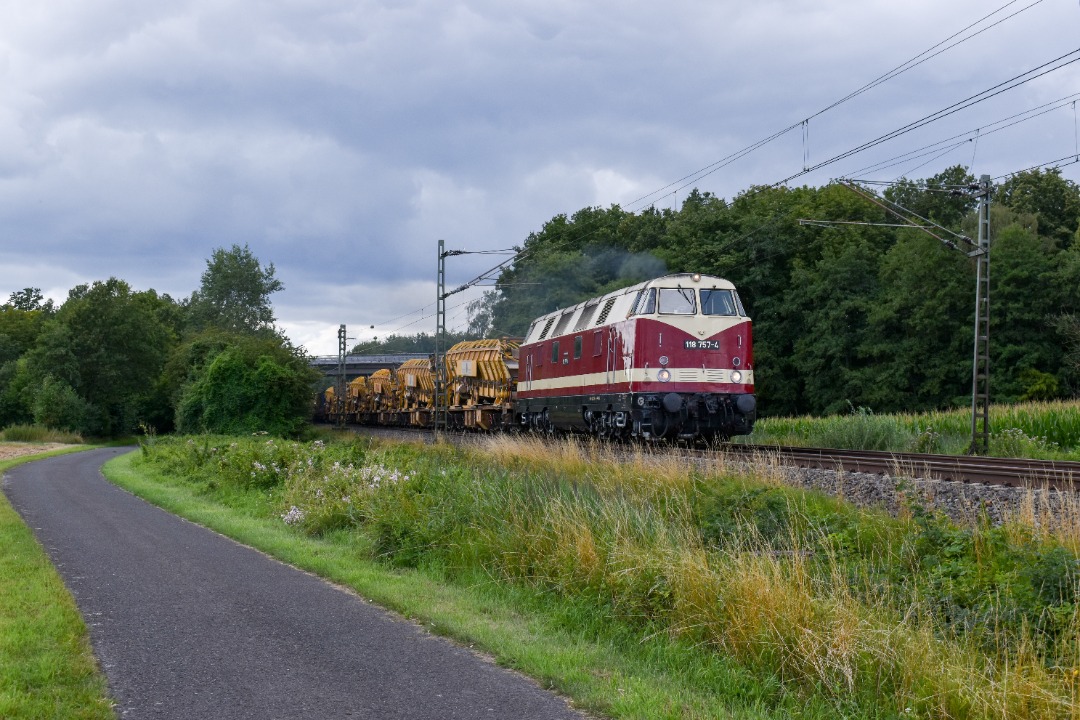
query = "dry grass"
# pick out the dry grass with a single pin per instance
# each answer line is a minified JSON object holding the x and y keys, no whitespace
{"x":1050,"y":516}
{"x":791,"y":613}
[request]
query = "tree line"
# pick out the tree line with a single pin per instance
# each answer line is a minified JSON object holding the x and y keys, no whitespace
{"x":111,"y":359}
{"x":853,"y":315}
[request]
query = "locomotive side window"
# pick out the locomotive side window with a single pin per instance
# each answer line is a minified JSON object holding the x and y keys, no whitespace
{"x":598,"y":343}
{"x":555,"y":352}
{"x":717,"y":302}
{"x":738,"y":304}
{"x":538,"y":355}
{"x":646,"y":302}
{"x":677,"y":301}
{"x":577,"y":347}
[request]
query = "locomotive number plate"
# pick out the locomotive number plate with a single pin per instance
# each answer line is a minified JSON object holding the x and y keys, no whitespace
{"x":701,"y":344}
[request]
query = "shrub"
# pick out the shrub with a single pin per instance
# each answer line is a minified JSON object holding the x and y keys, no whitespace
{"x":249,"y":384}
{"x":57,"y":405}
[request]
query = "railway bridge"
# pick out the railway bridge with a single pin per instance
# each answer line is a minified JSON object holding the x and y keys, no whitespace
{"x":357,"y":365}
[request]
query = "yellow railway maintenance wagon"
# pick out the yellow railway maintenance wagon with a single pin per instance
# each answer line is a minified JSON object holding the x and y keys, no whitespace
{"x":357,"y":399}
{"x":418,"y":390}
{"x":386,"y":396}
{"x":481,"y":382}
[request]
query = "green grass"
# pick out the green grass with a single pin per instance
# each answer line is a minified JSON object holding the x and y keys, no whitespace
{"x":1046,"y":430}
{"x":47,"y":668}
{"x":38,"y":434}
{"x":600,"y":663}
{"x":649,"y":588}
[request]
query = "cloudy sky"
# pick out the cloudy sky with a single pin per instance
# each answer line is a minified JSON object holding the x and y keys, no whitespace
{"x":341,"y":139}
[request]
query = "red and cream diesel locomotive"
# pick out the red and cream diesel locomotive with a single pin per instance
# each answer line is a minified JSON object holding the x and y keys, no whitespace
{"x":670,"y":358}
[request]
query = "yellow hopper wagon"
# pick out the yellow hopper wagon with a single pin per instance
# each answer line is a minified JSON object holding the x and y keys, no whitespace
{"x":385,"y":388}
{"x":481,"y":383}
{"x":357,"y":400}
{"x":333,"y":405}
{"x":418,"y":390}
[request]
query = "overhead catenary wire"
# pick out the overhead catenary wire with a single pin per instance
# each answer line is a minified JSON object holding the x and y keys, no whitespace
{"x":1016,"y":81}
{"x":899,"y":211}
{"x":935,"y":50}
{"x":1058,"y":163}
{"x":691,"y":178}
{"x":1012,"y":83}
{"x":982,"y":131}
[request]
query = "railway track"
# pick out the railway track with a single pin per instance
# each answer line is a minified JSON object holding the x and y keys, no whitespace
{"x":1014,"y":472}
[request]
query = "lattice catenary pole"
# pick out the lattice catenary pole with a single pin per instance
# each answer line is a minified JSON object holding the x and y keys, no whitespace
{"x":980,"y":371}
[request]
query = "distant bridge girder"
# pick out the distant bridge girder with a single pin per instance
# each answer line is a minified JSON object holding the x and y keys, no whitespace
{"x":360,"y":365}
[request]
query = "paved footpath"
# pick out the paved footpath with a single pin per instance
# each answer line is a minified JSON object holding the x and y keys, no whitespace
{"x":188,"y":624}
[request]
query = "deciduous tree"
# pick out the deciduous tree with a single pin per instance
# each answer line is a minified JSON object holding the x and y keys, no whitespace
{"x":235,"y":293}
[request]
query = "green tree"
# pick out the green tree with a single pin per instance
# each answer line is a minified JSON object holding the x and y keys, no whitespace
{"x":26,"y":299}
{"x":106,"y":344}
{"x":1068,"y":327}
{"x":243,"y":384}
{"x":837,"y":293}
{"x":1023,"y":301}
{"x":1053,"y":200}
{"x":21,"y":321}
{"x":918,"y":341}
{"x":15,"y":397}
{"x":57,"y":405}
{"x":940,"y":199}
{"x":235,"y":293}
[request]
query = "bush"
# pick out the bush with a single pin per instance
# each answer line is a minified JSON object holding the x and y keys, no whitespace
{"x":57,"y":405}
{"x":251,"y":384}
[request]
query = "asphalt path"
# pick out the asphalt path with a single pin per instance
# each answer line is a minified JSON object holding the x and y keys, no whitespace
{"x":189,"y":624}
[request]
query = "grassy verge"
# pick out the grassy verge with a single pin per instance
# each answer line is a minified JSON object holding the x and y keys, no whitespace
{"x":650,"y":588}
{"x":598,"y":662}
{"x":1044,"y":430}
{"x":47,"y":668}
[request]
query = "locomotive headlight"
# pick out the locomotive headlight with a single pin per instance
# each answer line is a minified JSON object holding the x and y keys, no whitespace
{"x":736,"y":377}
{"x":664,"y":375}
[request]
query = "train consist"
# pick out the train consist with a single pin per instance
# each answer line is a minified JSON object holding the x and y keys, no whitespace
{"x":670,"y":358}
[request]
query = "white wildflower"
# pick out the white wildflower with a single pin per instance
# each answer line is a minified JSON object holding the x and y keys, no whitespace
{"x":294,"y":516}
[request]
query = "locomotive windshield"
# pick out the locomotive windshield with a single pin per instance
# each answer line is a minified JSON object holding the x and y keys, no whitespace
{"x":646,"y":302}
{"x":677,"y":301}
{"x":717,"y":302}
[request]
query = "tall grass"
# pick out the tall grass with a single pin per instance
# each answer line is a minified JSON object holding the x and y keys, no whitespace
{"x":872,"y":616}
{"x":39,"y":434}
{"x":1048,"y":430}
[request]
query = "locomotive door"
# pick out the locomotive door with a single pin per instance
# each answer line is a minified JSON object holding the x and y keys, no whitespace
{"x":528,"y":371}
{"x":610,"y":358}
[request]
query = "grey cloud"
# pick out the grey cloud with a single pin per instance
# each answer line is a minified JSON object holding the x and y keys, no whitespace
{"x":341,"y":139}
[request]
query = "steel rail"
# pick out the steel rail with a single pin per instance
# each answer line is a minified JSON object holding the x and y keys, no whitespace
{"x":1015,"y":472}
